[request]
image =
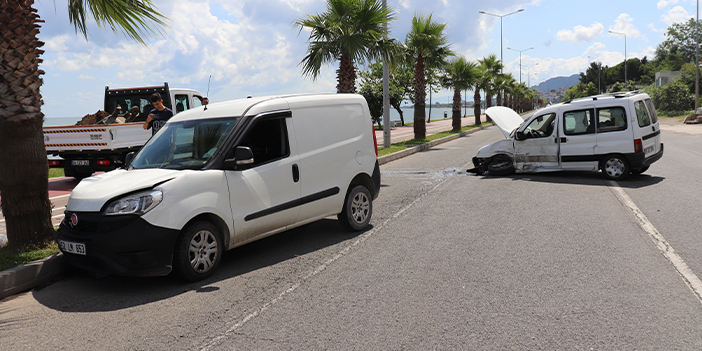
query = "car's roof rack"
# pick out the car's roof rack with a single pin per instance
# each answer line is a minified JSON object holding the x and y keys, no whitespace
{"x":616,"y":95}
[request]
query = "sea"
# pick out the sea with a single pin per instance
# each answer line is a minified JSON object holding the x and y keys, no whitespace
{"x":436,"y":113}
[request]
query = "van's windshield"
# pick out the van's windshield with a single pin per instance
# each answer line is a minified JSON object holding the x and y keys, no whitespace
{"x":184,"y":145}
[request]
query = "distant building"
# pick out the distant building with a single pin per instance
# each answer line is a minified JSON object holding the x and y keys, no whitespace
{"x":664,"y":77}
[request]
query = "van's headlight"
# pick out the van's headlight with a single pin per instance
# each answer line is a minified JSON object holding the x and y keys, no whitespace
{"x":138,"y":203}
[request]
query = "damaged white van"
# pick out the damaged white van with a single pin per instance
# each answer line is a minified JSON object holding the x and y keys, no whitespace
{"x":616,"y":133}
{"x":217,"y":177}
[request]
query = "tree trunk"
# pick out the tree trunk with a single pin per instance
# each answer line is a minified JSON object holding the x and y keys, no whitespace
{"x":420,"y":95}
{"x":346,"y":75}
{"x":488,"y":104}
{"x":399,"y":110}
{"x":429,"y":119}
{"x":24,"y":172}
{"x":499,"y":98}
{"x":476,"y":107}
{"x":456,"y":111}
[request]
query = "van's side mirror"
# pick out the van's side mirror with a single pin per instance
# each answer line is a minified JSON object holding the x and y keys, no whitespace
{"x":128,"y":159}
{"x":520,"y":135}
{"x":243,"y":157}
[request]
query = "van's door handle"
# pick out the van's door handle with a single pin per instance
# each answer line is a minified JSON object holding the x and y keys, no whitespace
{"x":296,"y":173}
{"x":564,"y":139}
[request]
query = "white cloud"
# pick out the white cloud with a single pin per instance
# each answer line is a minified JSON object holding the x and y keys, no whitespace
{"x":663,"y":3}
{"x":83,"y":76}
{"x":581,"y":34}
{"x":675,"y":15}
{"x":623,"y":25}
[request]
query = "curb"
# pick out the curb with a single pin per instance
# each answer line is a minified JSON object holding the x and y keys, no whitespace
{"x":30,"y":275}
{"x":415,"y":149}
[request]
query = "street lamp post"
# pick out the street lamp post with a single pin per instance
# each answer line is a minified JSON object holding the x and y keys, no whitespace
{"x":599,"y":81}
{"x":624,"y":34}
{"x":500,"y":16}
{"x":529,"y":73}
{"x":520,"y":60}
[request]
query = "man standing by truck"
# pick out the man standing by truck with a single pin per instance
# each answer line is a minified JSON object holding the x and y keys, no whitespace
{"x":159,"y":115}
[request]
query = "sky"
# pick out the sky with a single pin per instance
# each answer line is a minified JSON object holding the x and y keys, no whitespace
{"x":250,"y":47}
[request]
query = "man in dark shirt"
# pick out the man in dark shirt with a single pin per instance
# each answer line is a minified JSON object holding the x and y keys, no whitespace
{"x":158,"y":117}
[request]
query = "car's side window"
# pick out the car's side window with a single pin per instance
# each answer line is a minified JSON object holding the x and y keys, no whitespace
{"x":642,"y":114}
{"x":181,"y":103}
{"x":652,"y":111}
{"x":578,"y":122}
{"x":268,"y":140}
{"x":541,"y":126}
{"x":611,"y":119}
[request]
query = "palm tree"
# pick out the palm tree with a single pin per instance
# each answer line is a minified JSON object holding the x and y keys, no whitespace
{"x":459,"y":74}
{"x":501,"y":83}
{"x":493,"y":67}
{"x":480,"y":83}
{"x":24,"y":170}
{"x":427,"y":46}
{"x":348,"y":31}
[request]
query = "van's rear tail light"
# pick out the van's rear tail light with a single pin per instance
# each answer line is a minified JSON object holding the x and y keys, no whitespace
{"x":375,"y":141}
{"x":638,"y":145}
{"x":103,"y":162}
{"x":54,"y":163}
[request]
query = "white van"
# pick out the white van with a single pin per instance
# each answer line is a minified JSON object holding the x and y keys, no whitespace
{"x":217,"y":177}
{"x":616,"y":133}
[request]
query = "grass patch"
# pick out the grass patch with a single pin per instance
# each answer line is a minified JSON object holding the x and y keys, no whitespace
{"x":10,"y":259}
{"x":56,"y":172}
{"x":383,"y":151}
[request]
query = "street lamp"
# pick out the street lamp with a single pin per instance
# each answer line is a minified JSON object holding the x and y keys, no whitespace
{"x":500,"y":16}
{"x":624,"y":34}
{"x":599,"y":69}
{"x":529,"y":73}
{"x":520,"y":60}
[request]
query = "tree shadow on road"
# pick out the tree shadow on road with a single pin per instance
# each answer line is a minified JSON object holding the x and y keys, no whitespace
{"x":87,"y":292}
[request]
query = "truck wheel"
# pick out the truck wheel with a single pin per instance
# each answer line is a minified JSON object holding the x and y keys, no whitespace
{"x":615,"y":167}
{"x":358,"y":209}
{"x":198,"y":251}
{"x":501,"y":165}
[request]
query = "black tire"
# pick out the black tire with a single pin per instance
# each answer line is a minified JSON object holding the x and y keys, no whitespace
{"x":615,"y":167}
{"x":640,"y":170}
{"x":358,"y":209}
{"x":500,"y":166}
{"x":198,"y":251}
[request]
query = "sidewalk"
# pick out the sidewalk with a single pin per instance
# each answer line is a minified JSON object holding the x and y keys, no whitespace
{"x":398,"y":134}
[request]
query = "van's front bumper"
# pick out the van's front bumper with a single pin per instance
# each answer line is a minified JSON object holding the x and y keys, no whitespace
{"x":123,"y":245}
{"x":639,"y":160}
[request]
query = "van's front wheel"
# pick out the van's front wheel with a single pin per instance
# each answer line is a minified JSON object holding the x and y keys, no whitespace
{"x":358,"y":209}
{"x":198,"y":251}
{"x":615,"y":167}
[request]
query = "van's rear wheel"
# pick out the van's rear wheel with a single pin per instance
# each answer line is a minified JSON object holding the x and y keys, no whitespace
{"x":615,"y":167}
{"x":640,"y":170}
{"x":358,"y":209}
{"x":198,"y":251}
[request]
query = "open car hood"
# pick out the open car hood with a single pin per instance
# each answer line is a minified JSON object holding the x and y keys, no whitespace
{"x":505,"y":118}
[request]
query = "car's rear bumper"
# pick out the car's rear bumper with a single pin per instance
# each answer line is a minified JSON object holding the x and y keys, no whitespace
{"x":639,"y":160}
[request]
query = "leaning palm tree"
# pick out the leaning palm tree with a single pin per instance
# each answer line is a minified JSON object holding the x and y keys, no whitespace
{"x":24,"y":170}
{"x":493,"y":67}
{"x":427,"y":46}
{"x":349,"y":31}
{"x":459,"y":74}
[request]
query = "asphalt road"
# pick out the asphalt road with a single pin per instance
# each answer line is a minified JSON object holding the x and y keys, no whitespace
{"x":453,"y":261}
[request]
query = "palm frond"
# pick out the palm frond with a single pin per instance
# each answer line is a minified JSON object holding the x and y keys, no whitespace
{"x":133,"y":17}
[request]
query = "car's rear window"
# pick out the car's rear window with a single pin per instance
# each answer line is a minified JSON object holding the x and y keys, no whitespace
{"x":652,"y":110}
{"x":642,"y":114}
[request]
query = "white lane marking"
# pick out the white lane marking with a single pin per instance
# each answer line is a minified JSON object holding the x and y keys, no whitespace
{"x":217,"y":340}
{"x":58,"y":208}
{"x":60,"y":196}
{"x":687,"y":275}
{"x":52,"y":217}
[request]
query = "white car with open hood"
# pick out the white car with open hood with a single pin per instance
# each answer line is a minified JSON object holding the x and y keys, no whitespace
{"x":220,"y":176}
{"x":616,"y":133}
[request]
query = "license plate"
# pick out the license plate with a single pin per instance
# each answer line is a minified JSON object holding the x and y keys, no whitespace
{"x":74,"y":248}
{"x":649,"y":150}
{"x":80,"y":162}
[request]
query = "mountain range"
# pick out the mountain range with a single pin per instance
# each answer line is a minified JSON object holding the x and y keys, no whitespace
{"x":556,"y":83}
